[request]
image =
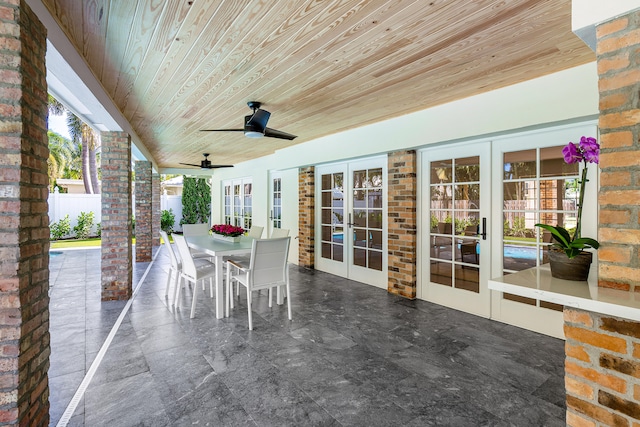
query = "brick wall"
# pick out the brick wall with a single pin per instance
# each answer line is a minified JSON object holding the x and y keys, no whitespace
{"x":117,"y":263}
{"x":602,"y":369}
{"x":155,"y":209}
{"x":24,"y":222}
{"x":306,"y":218}
{"x":618,"y":57}
{"x":143,"y":211}
{"x":402,"y":185}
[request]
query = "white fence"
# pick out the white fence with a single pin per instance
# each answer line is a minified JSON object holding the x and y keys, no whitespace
{"x":61,"y":204}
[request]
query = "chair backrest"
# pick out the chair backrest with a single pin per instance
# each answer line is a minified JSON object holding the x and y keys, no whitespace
{"x":188,"y":266}
{"x":255,"y":232}
{"x":172,"y":255}
{"x":269,"y":261}
{"x":195,"y":229}
{"x":279,"y":232}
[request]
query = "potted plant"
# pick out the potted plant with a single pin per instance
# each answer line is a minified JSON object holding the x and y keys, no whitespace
{"x":227,"y":232}
{"x":568,"y":257}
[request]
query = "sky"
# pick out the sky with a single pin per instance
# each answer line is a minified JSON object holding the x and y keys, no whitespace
{"x":58,"y":124}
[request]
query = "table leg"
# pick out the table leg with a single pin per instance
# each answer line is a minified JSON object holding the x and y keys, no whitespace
{"x":219,"y":285}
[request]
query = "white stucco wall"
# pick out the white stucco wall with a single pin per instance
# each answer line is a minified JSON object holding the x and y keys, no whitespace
{"x":565,"y":96}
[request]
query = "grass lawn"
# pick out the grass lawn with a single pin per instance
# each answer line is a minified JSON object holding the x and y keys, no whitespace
{"x":73,"y":243}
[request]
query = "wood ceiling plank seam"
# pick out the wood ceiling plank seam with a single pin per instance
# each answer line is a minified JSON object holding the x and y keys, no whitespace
{"x":94,"y":33}
{"x":148,"y":14}
{"x":63,"y":12}
{"x":175,"y":15}
{"x":257,"y":65}
{"x":253,"y":90}
{"x":167,"y":114}
{"x":347,"y":69}
{"x":176,"y":48}
{"x":145,"y":61}
{"x":295,"y":48}
{"x":471,"y":50}
{"x":120,"y":16}
{"x":225,"y":36}
{"x":469,"y":31}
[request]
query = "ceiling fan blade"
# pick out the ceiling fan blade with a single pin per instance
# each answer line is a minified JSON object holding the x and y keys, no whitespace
{"x":218,"y":166}
{"x":259,"y":118}
{"x":273,"y":133}
{"x":221,"y":130}
{"x":190,"y":164}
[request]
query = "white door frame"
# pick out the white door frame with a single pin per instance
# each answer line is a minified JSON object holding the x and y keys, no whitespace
{"x":471,"y":302}
{"x":346,"y":268}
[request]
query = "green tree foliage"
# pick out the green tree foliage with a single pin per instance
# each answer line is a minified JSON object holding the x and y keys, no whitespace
{"x":196,"y":201}
{"x":85,"y":222}
{"x":60,"y":228}
{"x":83,"y":147}
{"x":167,"y":219}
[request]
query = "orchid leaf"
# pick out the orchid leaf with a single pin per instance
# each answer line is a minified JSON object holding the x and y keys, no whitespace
{"x":558,"y":233}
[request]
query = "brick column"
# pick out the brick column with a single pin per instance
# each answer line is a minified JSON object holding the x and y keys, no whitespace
{"x":143,"y":211}
{"x":155,"y":209}
{"x":306,"y":217}
{"x":117,"y":263}
{"x":618,"y":48}
{"x":602,"y":368}
{"x":24,"y":221}
{"x":602,"y":371}
{"x":402,"y":222}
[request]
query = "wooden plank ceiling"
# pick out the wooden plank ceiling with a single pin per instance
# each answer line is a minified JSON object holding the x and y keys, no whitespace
{"x":174,"y":67}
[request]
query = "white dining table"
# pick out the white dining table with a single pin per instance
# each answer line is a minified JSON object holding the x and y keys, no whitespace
{"x":218,"y":249}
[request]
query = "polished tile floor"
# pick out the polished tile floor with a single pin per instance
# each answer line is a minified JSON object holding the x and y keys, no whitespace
{"x":352,"y":356}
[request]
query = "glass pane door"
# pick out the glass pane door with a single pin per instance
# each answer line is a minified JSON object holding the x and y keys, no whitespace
{"x":332,"y":216}
{"x":276,"y":203}
{"x":351,"y":221}
{"x":456,"y":185}
{"x":367,"y":218}
{"x":237,"y":202}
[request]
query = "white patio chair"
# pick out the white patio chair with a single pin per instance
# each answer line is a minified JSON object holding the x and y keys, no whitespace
{"x":191,"y":272}
{"x":267,"y":270}
{"x":279,"y":232}
{"x":196,"y":230}
{"x":176,"y":265}
{"x":255,"y":232}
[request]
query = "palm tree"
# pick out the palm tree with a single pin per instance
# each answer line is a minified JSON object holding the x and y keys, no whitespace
{"x":60,"y":157}
{"x":87,"y":140}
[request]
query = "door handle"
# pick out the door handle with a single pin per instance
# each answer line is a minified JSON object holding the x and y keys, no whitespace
{"x":349,"y":223}
{"x":484,"y":229}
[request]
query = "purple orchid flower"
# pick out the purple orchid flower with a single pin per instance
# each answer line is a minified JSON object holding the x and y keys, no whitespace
{"x":590,"y":149}
{"x":571,"y":153}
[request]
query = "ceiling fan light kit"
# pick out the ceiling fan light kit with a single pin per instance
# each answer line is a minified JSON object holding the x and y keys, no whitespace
{"x":255,"y":125}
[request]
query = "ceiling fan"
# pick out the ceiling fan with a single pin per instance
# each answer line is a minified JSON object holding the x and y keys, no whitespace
{"x":255,"y":125}
{"x":206,"y":164}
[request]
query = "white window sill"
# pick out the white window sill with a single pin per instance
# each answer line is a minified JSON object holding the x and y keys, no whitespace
{"x":537,"y":283}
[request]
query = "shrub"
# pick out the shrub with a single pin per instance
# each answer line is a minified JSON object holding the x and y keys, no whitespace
{"x":167,"y":220}
{"x":99,"y":229}
{"x":60,"y":228}
{"x":85,"y":222}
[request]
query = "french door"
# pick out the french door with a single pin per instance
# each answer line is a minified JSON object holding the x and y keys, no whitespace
{"x":275,"y":202}
{"x":455,"y":215}
{"x":238,"y":201}
{"x":351,"y":229}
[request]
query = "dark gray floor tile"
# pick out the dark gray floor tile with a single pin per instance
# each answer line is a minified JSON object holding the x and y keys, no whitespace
{"x":352,"y":355}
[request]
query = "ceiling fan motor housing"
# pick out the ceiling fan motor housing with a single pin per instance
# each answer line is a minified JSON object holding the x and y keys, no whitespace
{"x":252,"y":129}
